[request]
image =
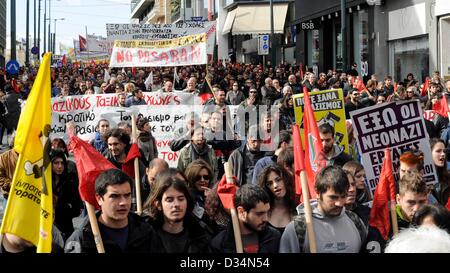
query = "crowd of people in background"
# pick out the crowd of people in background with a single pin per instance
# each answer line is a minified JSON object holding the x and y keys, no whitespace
{"x":182,"y":212}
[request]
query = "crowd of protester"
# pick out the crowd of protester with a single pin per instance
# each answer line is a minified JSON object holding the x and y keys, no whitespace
{"x":182,"y":212}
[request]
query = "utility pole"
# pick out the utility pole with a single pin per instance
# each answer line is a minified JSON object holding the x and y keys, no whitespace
{"x":45,"y":26}
{"x":39,"y":31}
{"x":344,"y":37}
{"x":49,"y":23}
{"x":34,"y":17}
{"x":13,"y":30}
{"x":27,"y":31}
{"x":272,"y":36}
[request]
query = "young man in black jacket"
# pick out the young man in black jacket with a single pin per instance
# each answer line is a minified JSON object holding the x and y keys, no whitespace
{"x":252,"y":205}
{"x":121,"y":230}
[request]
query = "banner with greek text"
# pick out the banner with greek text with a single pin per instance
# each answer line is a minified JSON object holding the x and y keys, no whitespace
{"x":328,"y":108}
{"x":152,"y":32}
{"x":188,"y":50}
{"x":166,"y":111}
{"x":399,"y":126}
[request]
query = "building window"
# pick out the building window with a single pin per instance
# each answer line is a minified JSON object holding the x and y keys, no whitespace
{"x":409,"y":56}
{"x":361,"y":38}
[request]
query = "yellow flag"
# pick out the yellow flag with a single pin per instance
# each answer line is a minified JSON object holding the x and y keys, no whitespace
{"x":29,"y":212}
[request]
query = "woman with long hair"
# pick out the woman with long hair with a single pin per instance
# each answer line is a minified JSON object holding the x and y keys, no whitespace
{"x":199,"y":176}
{"x":280,"y":187}
{"x":357,"y":171}
{"x":442,"y":189}
{"x":170,"y":208}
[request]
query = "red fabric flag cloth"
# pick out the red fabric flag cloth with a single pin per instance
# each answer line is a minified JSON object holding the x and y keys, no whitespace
{"x":441,"y":106}
{"x":423,"y":92}
{"x":15,"y":86}
{"x":448,"y":204}
{"x":90,"y":164}
{"x":63,"y":60}
{"x":299,"y":158}
{"x":128,"y":166}
{"x":360,"y":85}
{"x":395,"y":87}
{"x":384,"y":192}
{"x":226,"y":192}
{"x":83,"y":43}
{"x":205,"y":97}
{"x":314,"y":157}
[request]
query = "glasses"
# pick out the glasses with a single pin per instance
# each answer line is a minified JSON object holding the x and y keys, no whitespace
{"x":202,"y":177}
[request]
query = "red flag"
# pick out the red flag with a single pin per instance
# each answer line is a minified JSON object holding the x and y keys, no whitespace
{"x":384,"y":192}
{"x":133,"y":71}
{"x":299,"y":158}
{"x":423,"y":92}
{"x":300,"y":73}
{"x":90,"y":164}
{"x":83,"y":43}
{"x":448,"y":204}
{"x":226,"y":192}
{"x":441,"y":107}
{"x":63,"y":60}
{"x":204,"y":97}
{"x":314,"y":157}
{"x":395,"y":87}
{"x":15,"y":86}
{"x":128,"y":166}
{"x":360,"y":85}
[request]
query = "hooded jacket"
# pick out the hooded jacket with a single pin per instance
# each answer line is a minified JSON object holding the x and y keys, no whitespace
{"x":336,"y":234}
{"x":339,"y":157}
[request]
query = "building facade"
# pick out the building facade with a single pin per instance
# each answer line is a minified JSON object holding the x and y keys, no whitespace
{"x":240,"y":23}
{"x":170,"y":11}
{"x":394,"y":37}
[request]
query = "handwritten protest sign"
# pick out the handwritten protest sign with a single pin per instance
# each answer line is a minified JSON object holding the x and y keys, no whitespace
{"x":397,"y":125}
{"x":166,"y":111}
{"x":328,"y":107}
{"x":187,"y":50}
{"x":151,"y":32}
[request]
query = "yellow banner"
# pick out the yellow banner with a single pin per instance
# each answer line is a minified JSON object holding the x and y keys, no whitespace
{"x":182,"y":41}
{"x":29,"y":212}
{"x":328,"y":107}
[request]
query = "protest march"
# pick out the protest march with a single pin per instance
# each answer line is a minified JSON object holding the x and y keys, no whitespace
{"x":164,"y":149}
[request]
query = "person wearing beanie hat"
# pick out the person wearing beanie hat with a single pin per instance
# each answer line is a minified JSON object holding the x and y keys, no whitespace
{"x":146,"y":141}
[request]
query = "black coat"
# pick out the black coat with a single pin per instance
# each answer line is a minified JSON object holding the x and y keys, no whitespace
{"x":142,"y":238}
{"x":269,"y":241}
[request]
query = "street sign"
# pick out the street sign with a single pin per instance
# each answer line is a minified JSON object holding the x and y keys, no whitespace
{"x":263,"y":44}
{"x":34,"y":50}
{"x":12,"y":67}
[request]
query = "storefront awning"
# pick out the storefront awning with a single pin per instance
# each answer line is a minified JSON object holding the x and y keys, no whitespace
{"x":229,"y":22}
{"x":255,"y":19}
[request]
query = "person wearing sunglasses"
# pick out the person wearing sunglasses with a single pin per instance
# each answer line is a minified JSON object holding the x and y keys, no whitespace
{"x":200,"y":180}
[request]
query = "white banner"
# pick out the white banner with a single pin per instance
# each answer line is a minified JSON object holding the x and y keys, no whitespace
{"x":187,"y":50}
{"x":152,"y":32}
{"x":97,"y":44}
{"x":166,"y":112}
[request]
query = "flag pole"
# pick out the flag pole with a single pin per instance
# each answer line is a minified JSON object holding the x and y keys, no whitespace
{"x":137,"y":179}
{"x":394,"y":217}
{"x":209,"y":83}
{"x":234,"y":218}
{"x":95,"y":230}
{"x":90,"y":208}
{"x":308,"y":213}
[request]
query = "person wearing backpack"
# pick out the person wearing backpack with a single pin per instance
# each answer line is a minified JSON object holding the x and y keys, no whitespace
{"x":336,"y":229}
